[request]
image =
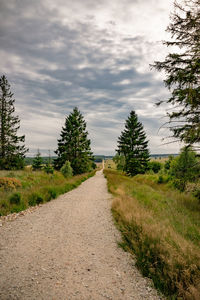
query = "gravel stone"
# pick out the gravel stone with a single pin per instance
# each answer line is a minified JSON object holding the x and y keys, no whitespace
{"x":67,"y":249}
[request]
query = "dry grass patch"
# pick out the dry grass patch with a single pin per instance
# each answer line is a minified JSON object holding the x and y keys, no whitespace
{"x":162,"y":228}
{"x":35,"y":187}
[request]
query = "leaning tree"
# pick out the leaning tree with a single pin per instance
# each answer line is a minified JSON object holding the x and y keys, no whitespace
{"x":182,"y":69}
{"x":12,"y":149}
{"x":74,"y":145}
{"x":132,"y":144}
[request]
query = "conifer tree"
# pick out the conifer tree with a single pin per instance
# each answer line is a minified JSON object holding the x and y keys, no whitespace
{"x":73,"y":145}
{"x":132,"y":144}
{"x":12,"y":150}
{"x":182,"y":69}
{"x":37,"y":162}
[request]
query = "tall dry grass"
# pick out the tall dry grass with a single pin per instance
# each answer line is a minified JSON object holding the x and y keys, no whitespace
{"x":162,"y":228}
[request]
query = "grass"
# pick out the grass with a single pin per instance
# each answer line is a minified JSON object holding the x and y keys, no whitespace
{"x":35,"y":187}
{"x":161,"y":227}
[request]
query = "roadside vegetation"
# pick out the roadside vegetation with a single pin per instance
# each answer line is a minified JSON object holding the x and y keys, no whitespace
{"x":24,"y":188}
{"x":160,"y":225}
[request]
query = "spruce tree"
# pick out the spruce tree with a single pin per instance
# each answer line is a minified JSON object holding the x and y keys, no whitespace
{"x":132,"y":144}
{"x":74,"y":145}
{"x":182,"y":69}
{"x":37,"y":162}
{"x":12,"y":150}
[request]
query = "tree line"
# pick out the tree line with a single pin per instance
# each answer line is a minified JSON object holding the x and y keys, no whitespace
{"x":73,"y":144}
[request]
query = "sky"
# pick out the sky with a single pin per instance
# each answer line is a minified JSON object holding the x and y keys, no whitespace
{"x":93,"y":54}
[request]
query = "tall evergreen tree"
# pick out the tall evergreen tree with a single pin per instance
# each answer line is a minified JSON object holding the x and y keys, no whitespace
{"x":37,"y":162}
{"x":133,"y":145}
{"x":182,"y":71}
{"x":12,"y":150}
{"x":73,"y":145}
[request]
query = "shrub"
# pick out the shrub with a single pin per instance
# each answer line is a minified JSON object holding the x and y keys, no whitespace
{"x":52,"y":193}
{"x":19,"y":207}
{"x":94,"y":166}
{"x":66,"y":170}
{"x":155,"y":166}
{"x":9,"y":183}
{"x":34,"y":199}
{"x":48,"y":169}
{"x":194,"y":189}
{"x":160,"y":179}
{"x":168,"y":163}
{"x":15,"y":198}
{"x":4,"y":204}
{"x":184,"y":168}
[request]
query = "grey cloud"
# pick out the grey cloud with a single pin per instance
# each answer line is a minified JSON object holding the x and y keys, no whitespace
{"x":55,"y":64}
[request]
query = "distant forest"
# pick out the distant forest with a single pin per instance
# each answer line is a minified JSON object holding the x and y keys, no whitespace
{"x":97,"y":158}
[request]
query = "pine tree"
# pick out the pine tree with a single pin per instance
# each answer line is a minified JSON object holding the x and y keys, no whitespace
{"x":185,"y":168}
{"x":73,"y":145}
{"x":133,"y":145}
{"x":182,"y":71}
{"x":12,"y":150}
{"x":37,"y":162}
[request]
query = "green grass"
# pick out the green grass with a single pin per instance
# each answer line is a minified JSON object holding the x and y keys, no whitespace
{"x":161,"y":226}
{"x":36,"y":187}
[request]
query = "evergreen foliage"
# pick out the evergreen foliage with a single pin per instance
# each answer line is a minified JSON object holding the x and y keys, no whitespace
{"x":48,"y":168}
{"x":74,"y":145}
{"x":182,"y":71}
{"x":132,"y":144}
{"x":12,"y":150}
{"x":66,"y":170}
{"x":185,"y":168}
{"x":155,"y":166}
{"x":37,"y":162}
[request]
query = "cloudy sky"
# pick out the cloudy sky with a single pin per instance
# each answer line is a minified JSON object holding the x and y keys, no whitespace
{"x":94,"y":54}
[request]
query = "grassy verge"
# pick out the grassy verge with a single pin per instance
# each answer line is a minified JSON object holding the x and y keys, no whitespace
{"x":27,"y":188}
{"x":161,"y":227}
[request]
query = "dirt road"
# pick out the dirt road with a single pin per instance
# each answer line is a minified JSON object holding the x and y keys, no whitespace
{"x":67,"y":249}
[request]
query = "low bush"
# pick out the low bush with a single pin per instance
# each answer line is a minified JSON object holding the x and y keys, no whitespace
{"x":4,"y":204}
{"x":15,"y":198}
{"x":52,"y":193}
{"x":160,"y":179}
{"x":18,"y":207}
{"x":48,"y":169}
{"x":34,"y":199}
{"x":66,"y":170}
{"x":9,"y":183}
{"x":155,"y":166}
{"x":185,"y":168}
{"x":168,"y":163}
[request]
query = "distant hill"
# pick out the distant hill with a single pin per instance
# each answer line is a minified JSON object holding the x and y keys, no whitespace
{"x":97,"y":158}
{"x":162,"y":155}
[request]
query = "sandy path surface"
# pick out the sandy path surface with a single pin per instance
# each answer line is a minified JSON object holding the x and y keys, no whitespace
{"x":67,"y":249}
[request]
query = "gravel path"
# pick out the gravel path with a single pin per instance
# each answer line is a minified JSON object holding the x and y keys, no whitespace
{"x":67,"y":249}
